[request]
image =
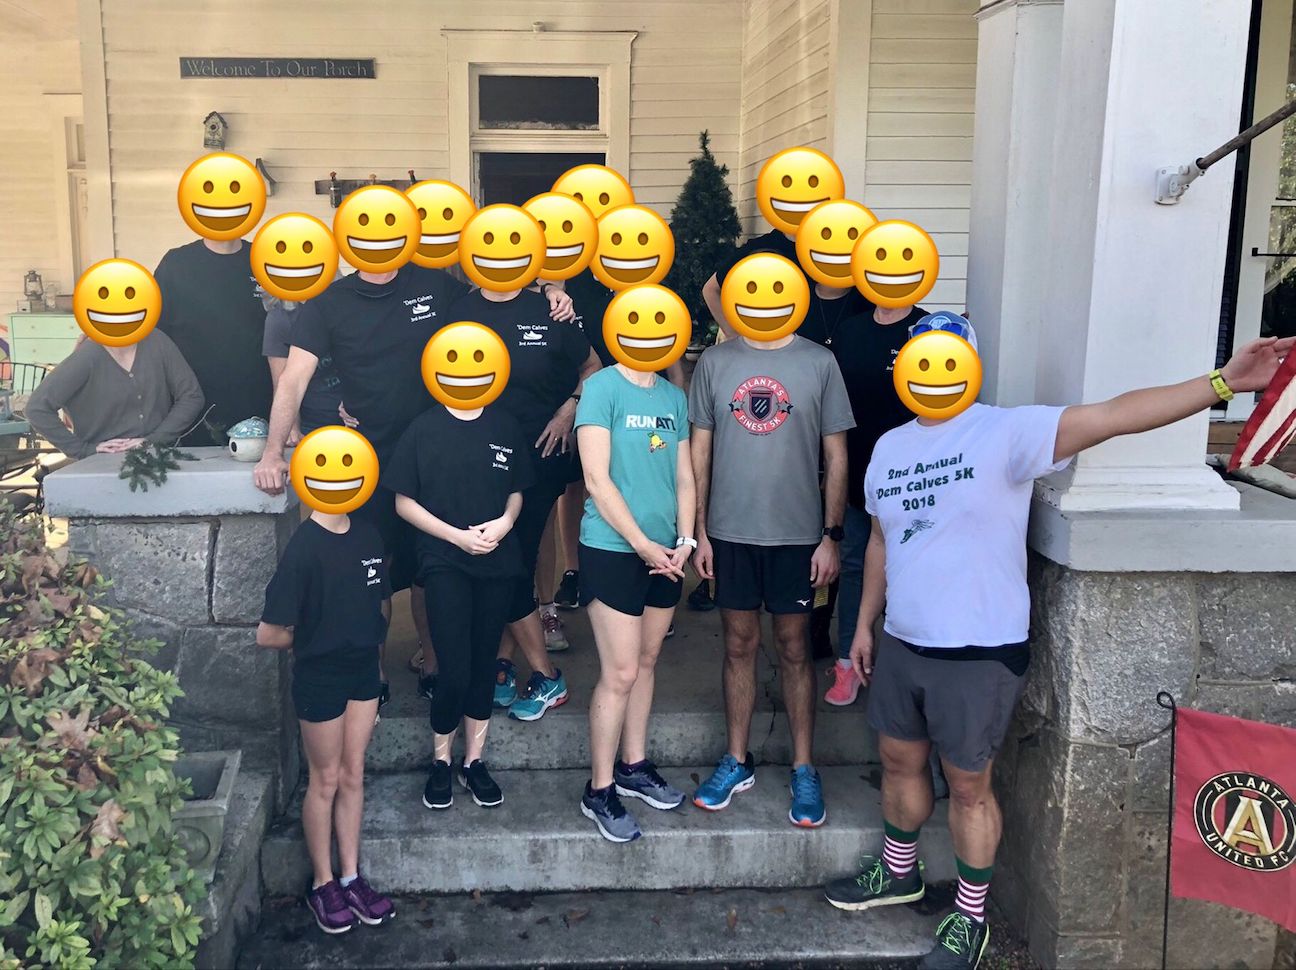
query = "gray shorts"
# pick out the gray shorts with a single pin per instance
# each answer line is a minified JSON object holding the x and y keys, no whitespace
{"x":963,"y":707}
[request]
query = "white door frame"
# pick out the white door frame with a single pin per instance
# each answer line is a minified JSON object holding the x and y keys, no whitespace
{"x":62,"y":109}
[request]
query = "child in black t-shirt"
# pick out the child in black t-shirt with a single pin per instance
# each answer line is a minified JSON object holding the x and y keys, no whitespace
{"x":330,"y":601}
{"x":458,"y":476}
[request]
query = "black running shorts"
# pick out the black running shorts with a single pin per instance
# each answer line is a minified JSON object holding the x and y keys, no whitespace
{"x":621,"y":580}
{"x":747,"y":576}
{"x":322,"y":686}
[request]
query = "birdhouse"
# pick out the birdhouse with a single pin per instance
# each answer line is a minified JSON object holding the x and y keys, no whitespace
{"x":214,"y":129}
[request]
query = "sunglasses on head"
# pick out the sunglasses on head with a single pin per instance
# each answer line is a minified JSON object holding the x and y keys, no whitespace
{"x":946,"y":324}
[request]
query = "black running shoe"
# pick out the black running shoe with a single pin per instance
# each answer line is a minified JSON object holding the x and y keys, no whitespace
{"x":960,"y":943}
{"x":568,"y":595}
{"x":439,"y":793}
{"x":478,"y":783}
{"x":427,"y":685}
{"x":384,"y":694}
{"x":875,"y":886}
{"x":700,"y":599}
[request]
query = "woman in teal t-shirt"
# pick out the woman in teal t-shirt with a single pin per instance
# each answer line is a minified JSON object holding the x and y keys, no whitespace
{"x":636,"y":536}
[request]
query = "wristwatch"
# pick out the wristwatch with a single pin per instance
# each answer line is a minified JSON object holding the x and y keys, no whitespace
{"x":835,"y":532}
{"x":686,"y":541}
{"x":1220,"y":385}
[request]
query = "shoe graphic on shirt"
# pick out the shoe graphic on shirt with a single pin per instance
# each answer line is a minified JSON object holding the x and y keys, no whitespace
{"x":420,"y":308}
{"x":530,"y":335}
{"x":916,"y":526}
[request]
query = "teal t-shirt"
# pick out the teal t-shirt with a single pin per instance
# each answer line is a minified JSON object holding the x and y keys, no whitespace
{"x":648,"y":427}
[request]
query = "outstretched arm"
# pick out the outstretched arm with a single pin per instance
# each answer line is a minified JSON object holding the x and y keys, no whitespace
{"x":1086,"y":425}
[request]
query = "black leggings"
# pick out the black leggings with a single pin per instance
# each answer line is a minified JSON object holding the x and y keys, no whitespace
{"x":466,"y":619}
{"x":552,"y":477}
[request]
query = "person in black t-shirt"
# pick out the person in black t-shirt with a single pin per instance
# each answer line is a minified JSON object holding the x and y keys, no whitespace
{"x":322,"y":403}
{"x":212,"y":311}
{"x":548,"y":364}
{"x":458,"y":478}
{"x":774,"y":241}
{"x":330,"y":601}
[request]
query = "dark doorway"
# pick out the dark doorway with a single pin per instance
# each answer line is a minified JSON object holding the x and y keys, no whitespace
{"x":515,"y":177}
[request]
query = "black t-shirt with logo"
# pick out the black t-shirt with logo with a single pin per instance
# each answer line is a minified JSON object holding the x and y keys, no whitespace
{"x":375,"y":333}
{"x":212,"y":312}
{"x":330,"y":588}
{"x":590,"y":299}
{"x":463,"y":473}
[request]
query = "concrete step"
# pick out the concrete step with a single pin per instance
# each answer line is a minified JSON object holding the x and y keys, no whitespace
{"x":539,"y":841}
{"x":688,"y":725}
{"x":734,"y":927}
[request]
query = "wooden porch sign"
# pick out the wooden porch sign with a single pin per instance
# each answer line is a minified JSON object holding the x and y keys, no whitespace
{"x":278,"y":67}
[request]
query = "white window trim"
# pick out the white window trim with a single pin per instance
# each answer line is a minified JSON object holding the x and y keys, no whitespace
{"x":62,"y":109}
{"x":605,"y":54}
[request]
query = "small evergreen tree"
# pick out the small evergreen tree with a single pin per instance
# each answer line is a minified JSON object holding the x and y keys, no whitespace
{"x":705,"y":224}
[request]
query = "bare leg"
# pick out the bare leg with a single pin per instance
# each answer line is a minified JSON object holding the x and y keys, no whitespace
{"x":529,"y":635}
{"x":322,"y":742}
{"x":617,"y":636}
{"x":474,"y":738}
{"x":547,"y":561}
{"x":906,"y":783}
{"x":508,"y":644}
{"x":974,"y":818}
{"x":443,"y":746}
{"x":634,"y":733}
{"x":792,"y":636}
{"x":571,"y":506}
{"x":348,"y":807}
{"x":418,"y":610}
{"x":742,"y":641}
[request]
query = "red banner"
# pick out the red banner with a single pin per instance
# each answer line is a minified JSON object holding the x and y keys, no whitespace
{"x":1234,"y":817}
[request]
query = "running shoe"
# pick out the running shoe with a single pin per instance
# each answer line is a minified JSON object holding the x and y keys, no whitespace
{"x":329,"y":907}
{"x":845,"y":687}
{"x":729,"y":778}
{"x":540,"y":695}
{"x":568,"y":595}
{"x":554,"y":633}
{"x":700,"y":599}
{"x":505,"y":682}
{"x":807,"y":809}
{"x":604,"y":808}
{"x":369,"y":906}
{"x":875,"y":886}
{"x":427,"y":685}
{"x":478,"y":783}
{"x":670,"y":632}
{"x":643,"y":782}
{"x":439,"y":792}
{"x":960,"y":943}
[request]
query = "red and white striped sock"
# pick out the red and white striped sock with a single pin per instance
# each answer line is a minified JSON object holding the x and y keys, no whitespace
{"x":971,"y":899}
{"x":899,"y":857}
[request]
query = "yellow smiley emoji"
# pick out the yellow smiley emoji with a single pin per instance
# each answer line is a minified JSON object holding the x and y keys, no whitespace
{"x":116,"y":302}
{"x":937,"y":375}
{"x":647,"y":327}
{"x":765,"y":296}
{"x":443,"y":210}
{"x":570,"y":234}
{"x":793,"y":182}
{"x":634,"y":246}
{"x":376,"y":228}
{"x":598,"y":186}
{"x":826,"y":238}
{"x":465,"y":366}
{"x":294,"y":257}
{"x":502,"y":248}
{"x":334,"y":469}
{"x":221,"y":196}
{"x":895,"y":264}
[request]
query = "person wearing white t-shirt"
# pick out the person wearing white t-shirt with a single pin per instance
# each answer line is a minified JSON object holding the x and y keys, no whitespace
{"x":949,"y":500}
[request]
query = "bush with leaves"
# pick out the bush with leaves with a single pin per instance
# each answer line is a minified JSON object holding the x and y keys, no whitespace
{"x":91,"y":873}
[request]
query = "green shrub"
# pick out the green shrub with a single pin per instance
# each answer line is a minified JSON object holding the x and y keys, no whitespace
{"x":91,"y":874}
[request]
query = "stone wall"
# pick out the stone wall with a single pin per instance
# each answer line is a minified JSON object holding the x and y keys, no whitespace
{"x":1084,"y":775}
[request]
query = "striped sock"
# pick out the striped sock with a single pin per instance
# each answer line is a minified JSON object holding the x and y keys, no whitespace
{"x":899,"y":851}
{"x":973,"y":887}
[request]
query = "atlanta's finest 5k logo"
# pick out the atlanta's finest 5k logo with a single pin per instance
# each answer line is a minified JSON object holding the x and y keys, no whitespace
{"x":1247,"y":820}
{"x":760,"y":404}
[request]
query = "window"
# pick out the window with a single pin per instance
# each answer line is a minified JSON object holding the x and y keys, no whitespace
{"x":528,"y":102}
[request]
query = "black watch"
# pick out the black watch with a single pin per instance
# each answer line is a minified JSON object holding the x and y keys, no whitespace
{"x":835,"y":532}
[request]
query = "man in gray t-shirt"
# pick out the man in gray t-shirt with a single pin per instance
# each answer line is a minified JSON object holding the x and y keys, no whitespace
{"x":762,"y":412}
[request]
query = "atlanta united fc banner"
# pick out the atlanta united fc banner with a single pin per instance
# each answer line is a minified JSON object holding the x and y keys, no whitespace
{"x":1234,"y":817}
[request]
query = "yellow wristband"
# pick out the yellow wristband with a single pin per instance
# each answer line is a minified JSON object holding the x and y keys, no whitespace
{"x":1221,"y":388}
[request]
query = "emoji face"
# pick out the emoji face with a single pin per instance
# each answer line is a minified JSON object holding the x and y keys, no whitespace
{"x":895,"y":264}
{"x":570,"y":234}
{"x":334,"y":469}
{"x":647,"y":327}
{"x":826,"y":238}
{"x":937,"y":375}
{"x":765,"y":296}
{"x":598,"y":186}
{"x":502,"y":248}
{"x":443,"y":209}
{"x":376,"y":228}
{"x":465,"y":366}
{"x":793,"y":182}
{"x":294,"y":256}
{"x":634,"y":246}
{"x":221,"y":196}
{"x":117,"y":302}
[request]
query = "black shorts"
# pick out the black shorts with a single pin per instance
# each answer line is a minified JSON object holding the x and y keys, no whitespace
{"x":322,"y":686}
{"x":397,"y":535}
{"x":621,"y":581}
{"x":748,"y":576}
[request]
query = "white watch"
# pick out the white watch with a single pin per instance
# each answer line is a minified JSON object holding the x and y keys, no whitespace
{"x":686,"y":541}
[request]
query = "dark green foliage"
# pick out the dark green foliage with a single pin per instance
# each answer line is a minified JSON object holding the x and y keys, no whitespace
{"x":150,"y":463}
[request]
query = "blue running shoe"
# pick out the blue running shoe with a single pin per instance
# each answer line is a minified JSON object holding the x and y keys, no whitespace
{"x":541,"y":694}
{"x":807,"y":799}
{"x":505,"y":682}
{"x":729,"y":778}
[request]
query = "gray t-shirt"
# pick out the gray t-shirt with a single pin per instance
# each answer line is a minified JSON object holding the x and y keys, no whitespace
{"x":767,"y":411}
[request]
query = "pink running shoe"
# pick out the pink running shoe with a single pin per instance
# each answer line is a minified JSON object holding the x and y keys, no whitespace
{"x":845,"y":688}
{"x":330,"y":909}
{"x":369,"y":906}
